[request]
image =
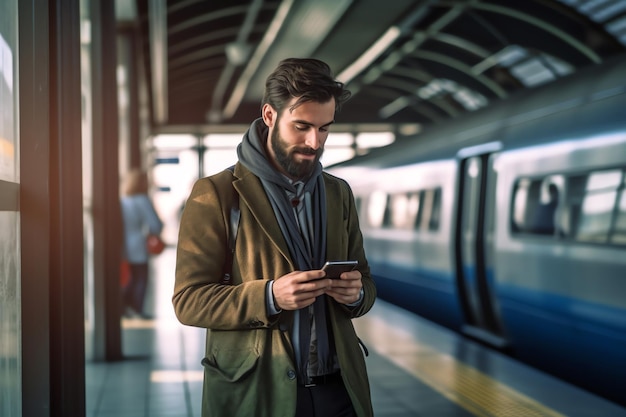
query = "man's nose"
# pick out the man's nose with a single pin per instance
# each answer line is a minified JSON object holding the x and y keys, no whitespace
{"x":314,"y":139}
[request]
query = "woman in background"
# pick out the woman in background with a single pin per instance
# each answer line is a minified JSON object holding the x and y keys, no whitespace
{"x":140,"y":219}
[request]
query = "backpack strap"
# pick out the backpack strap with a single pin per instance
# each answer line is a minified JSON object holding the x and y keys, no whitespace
{"x":235,"y":214}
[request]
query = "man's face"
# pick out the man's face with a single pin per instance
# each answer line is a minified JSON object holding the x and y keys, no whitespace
{"x":297,"y":138}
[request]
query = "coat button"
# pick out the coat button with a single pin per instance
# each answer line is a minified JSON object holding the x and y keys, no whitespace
{"x":291,"y":374}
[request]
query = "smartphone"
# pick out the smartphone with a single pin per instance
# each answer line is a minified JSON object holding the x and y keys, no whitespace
{"x":335,"y":268}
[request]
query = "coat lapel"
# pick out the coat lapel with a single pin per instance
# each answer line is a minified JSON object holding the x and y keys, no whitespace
{"x":334,"y":216}
{"x":252,"y":195}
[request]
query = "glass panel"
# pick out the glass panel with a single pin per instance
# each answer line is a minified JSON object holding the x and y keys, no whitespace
{"x":619,"y":233}
{"x":604,"y":180}
{"x":10,"y":273}
{"x":387,"y":213}
{"x":435,"y":215}
{"x":598,"y":204}
{"x":87,"y":171}
{"x":376,"y":209}
{"x":8,"y":145}
{"x":471,"y":196}
{"x":10,"y":323}
{"x":595,"y":217}
{"x":414,"y":209}
{"x":518,"y":214}
{"x":573,"y":199}
{"x":543,"y":221}
{"x":399,"y":211}
{"x":530,"y":215}
{"x":427,"y":208}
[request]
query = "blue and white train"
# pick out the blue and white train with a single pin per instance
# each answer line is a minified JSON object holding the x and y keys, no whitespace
{"x":509,"y":226}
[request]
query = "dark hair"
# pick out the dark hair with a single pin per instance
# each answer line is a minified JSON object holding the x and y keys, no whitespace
{"x":307,"y":79}
{"x":136,"y":182}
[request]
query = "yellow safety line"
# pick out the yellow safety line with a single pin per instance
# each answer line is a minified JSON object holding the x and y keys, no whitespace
{"x":469,"y":388}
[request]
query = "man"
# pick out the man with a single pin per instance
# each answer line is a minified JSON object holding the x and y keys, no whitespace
{"x":280,"y":340}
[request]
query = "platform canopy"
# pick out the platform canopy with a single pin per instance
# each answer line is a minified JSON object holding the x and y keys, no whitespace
{"x":409,"y":63}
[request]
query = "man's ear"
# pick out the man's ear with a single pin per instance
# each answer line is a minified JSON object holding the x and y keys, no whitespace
{"x":269,"y":115}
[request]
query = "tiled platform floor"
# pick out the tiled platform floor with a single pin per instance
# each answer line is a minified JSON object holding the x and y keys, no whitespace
{"x":161,"y":374}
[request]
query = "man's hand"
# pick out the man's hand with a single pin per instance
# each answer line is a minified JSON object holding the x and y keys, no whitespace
{"x":346,"y":289}
{"x":299,"y":289}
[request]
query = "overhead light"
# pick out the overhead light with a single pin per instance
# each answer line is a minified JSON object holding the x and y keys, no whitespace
{"x":237,"y":53}
{"x":370,"y":55}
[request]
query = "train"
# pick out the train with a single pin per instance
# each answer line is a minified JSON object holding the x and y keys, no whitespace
{"x":508,"y":226}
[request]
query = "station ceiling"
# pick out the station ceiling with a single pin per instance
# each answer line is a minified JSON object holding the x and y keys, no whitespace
{"x":409,"y":63}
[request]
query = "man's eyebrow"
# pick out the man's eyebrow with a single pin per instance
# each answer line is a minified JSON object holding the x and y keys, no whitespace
{"x":304,"y":122}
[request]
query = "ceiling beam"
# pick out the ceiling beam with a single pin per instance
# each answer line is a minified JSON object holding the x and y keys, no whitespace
{"x":297,"y":30}
{"x":158,"y":57}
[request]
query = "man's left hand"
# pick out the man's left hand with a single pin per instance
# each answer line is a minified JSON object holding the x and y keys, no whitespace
{"x":347,"y":288}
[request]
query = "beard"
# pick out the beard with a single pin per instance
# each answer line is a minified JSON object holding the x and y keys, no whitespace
{"x":286,"y":160}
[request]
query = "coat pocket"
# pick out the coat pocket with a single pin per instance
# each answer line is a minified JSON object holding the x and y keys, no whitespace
{"x":231,"y":365}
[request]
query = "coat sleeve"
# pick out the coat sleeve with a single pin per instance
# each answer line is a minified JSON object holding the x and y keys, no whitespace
{"x":199,"y":298}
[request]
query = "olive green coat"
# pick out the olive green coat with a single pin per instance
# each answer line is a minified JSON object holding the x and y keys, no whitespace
{"x":249,"y":364}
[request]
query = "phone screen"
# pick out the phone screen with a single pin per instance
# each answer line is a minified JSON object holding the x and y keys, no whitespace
{"x":335,"y":268}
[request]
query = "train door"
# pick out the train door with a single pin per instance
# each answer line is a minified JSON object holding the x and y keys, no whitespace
{"x":474,"y":244}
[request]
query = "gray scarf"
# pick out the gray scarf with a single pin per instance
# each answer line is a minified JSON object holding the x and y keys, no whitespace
{"x":252,"y":155}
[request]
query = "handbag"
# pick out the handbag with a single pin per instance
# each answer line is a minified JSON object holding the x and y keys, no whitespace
{"x":124,"y":273}
{"x":154,"y":244}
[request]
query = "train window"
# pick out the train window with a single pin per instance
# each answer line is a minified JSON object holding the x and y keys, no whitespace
{"x":427,"y":206}
{"x":597,"y":207}
{"x":595,"y":217}
{"x":586,"y":207}
{"x":606,"y":180}
{"x":526,"y":198}
{"x":400,"y":211}
{"x":414,"y":213}
{"x":520,"y":195}
{"x":376,"y":209}
{"x":417,"y":210}
{"x":387,"y":212}
{"x":431,"y":209}
{"x":435,"y":214}
{"x":543,"y":218}
{"x":574,"y":193}
{"x":535,"y":203}
{"x":619,"y":231}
